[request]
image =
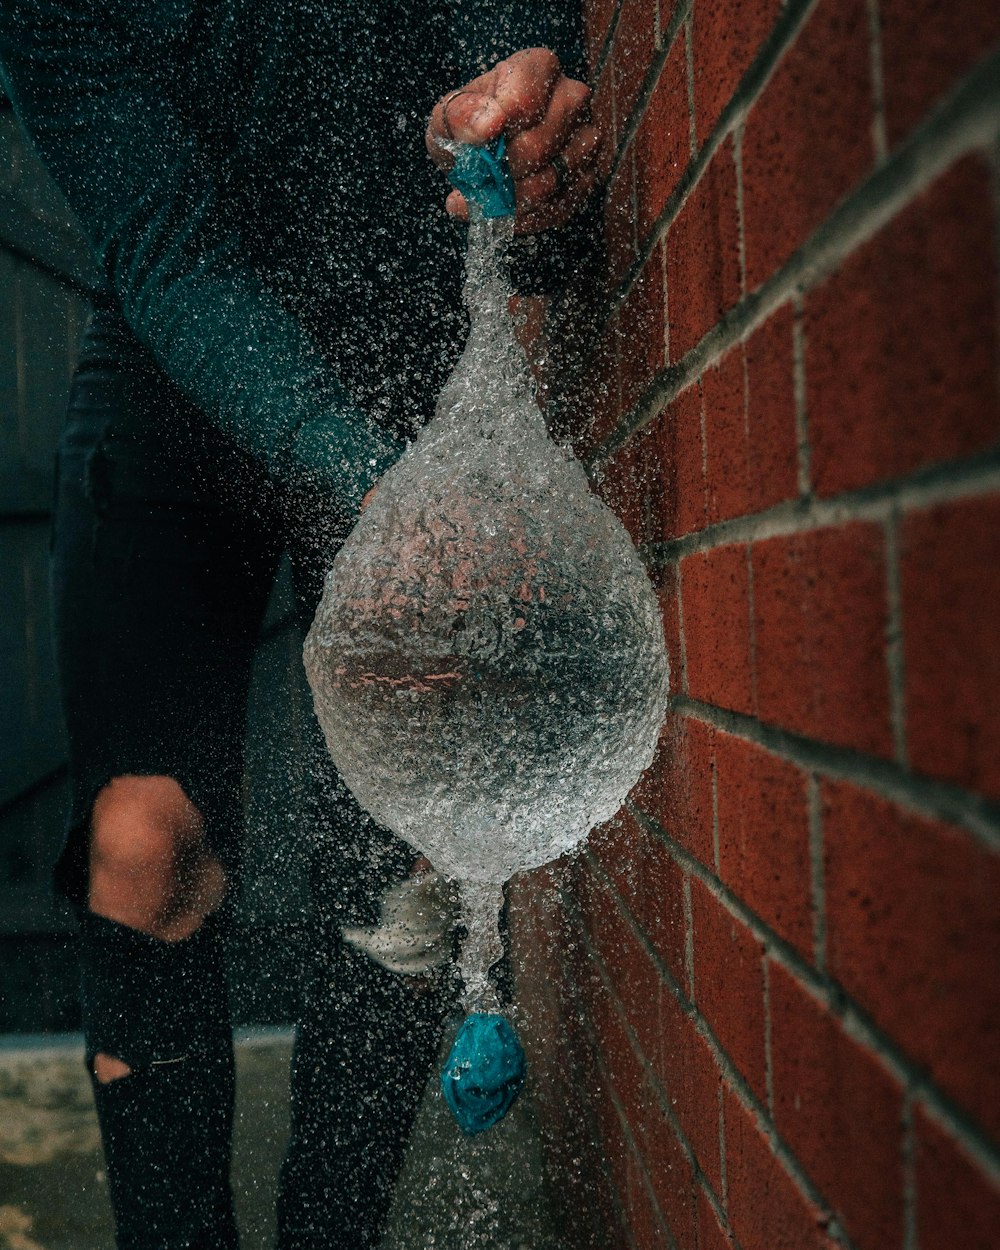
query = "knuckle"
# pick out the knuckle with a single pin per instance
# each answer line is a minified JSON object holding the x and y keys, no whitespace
{"x":547,"y":60}
{"x":578,"y":94}
{"x":589,"y":143}
{"x":533,"y":150}
{"x":538,"y":56}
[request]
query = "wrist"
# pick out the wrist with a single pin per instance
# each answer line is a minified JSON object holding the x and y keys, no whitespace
{"x":332,"y":464}
{"x":343,"y":454}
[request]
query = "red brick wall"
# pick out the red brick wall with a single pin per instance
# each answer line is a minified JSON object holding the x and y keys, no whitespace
{"x":763,"y":1007}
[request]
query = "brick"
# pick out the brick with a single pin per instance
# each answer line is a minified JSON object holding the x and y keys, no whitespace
{"x":641,"y":328}
{"x":561,"y":1065}
{"x":767,"y":1209}
{"x":729,"y":984}
{"x":676,"y":790}
{"x":602,"y":109}
{"x":950,"y":588}
{"x":610,"y":1133}
{"x":537,"y":960}
{"x":957,"y":1203}
{"x":913,"y":934}
{"x":583,"y":1207}
{"x":771,"y":426}
{"x":715,"y":595}
{"x":687,"y":1071}
{"x":663,"y":142}
{"x":678,"y":492}
{"x":901,"y":343}
{"x":764,"y":836}
{"x":840,"y":1112}
{"x":622,"y":487}
{"x":726,"y":36}
{"x":680,"y":1062}
{"x":539,"y":933}
{"x":673,"y":1184}
{"x":727,"y":450}
{"x":667,"y":8}
{"x":751,"y":439}
{"x":597,"y":15}
{"x":631,"y":55}
{"x":665,"y":583}
{"x":926,"y":48}
{"x":703,"y":255}
{"x":662,"y":1156}
{"x":591,"y":407}
{"x":711,"y":1235}
{"x":619,"y":220}
{"x":637,"y":981}
{"x":628,"y":1079}
{"x":820,"y":620}
{"x":650,"y":883}
{"x":807,"y":140}
{"x":645,"y":1223}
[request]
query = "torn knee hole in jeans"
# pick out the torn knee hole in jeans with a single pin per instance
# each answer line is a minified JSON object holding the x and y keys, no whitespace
{"x":151,"y":867}
{"x":108,"y":1068}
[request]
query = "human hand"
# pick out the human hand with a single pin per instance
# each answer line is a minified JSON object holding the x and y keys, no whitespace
{"x":418,"y":917}
{"x":555,"y":152}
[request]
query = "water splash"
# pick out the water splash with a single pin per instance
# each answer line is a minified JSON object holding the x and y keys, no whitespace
{"x":481,"y":902}
{"x":487,"y":661}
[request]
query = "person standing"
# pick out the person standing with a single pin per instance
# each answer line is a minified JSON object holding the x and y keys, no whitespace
{"x":279,"y":306}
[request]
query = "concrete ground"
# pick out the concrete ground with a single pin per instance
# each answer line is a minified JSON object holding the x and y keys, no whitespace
{"x":454,"y":1193}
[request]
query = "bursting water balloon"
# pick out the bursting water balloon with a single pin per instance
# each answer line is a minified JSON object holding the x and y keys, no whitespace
{"x":487,"y":661}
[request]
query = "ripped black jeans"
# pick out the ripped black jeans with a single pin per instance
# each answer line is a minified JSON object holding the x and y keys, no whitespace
{"x":164,"y":550}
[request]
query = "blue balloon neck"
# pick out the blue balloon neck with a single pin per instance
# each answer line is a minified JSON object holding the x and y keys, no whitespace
{"x":483,"y":176}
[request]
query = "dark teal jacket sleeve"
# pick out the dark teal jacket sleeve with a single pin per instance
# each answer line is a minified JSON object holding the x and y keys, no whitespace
{"x":147,"y":199}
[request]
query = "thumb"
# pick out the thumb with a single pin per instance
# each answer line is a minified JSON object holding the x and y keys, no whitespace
{"x":469,"y":117}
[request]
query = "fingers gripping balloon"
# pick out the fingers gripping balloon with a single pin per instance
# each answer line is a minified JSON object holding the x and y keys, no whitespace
{"x":487,"y":661}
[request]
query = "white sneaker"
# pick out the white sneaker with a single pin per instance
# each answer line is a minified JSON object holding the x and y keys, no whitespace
{"x":413,"y":935}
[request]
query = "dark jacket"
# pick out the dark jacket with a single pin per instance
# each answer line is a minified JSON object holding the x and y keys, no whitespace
{"x":253,"y":179}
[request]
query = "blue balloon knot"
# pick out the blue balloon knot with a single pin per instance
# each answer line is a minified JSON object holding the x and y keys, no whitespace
{"x":484,"y":1072}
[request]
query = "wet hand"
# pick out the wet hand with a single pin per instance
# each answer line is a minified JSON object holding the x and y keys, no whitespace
{"x":414,"y":934}
{"x":555,"y":151}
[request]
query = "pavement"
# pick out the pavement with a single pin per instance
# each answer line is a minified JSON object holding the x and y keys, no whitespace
{"x":454,"y":1192}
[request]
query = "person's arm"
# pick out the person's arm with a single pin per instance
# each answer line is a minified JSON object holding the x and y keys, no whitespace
{"x":147,"y":200}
